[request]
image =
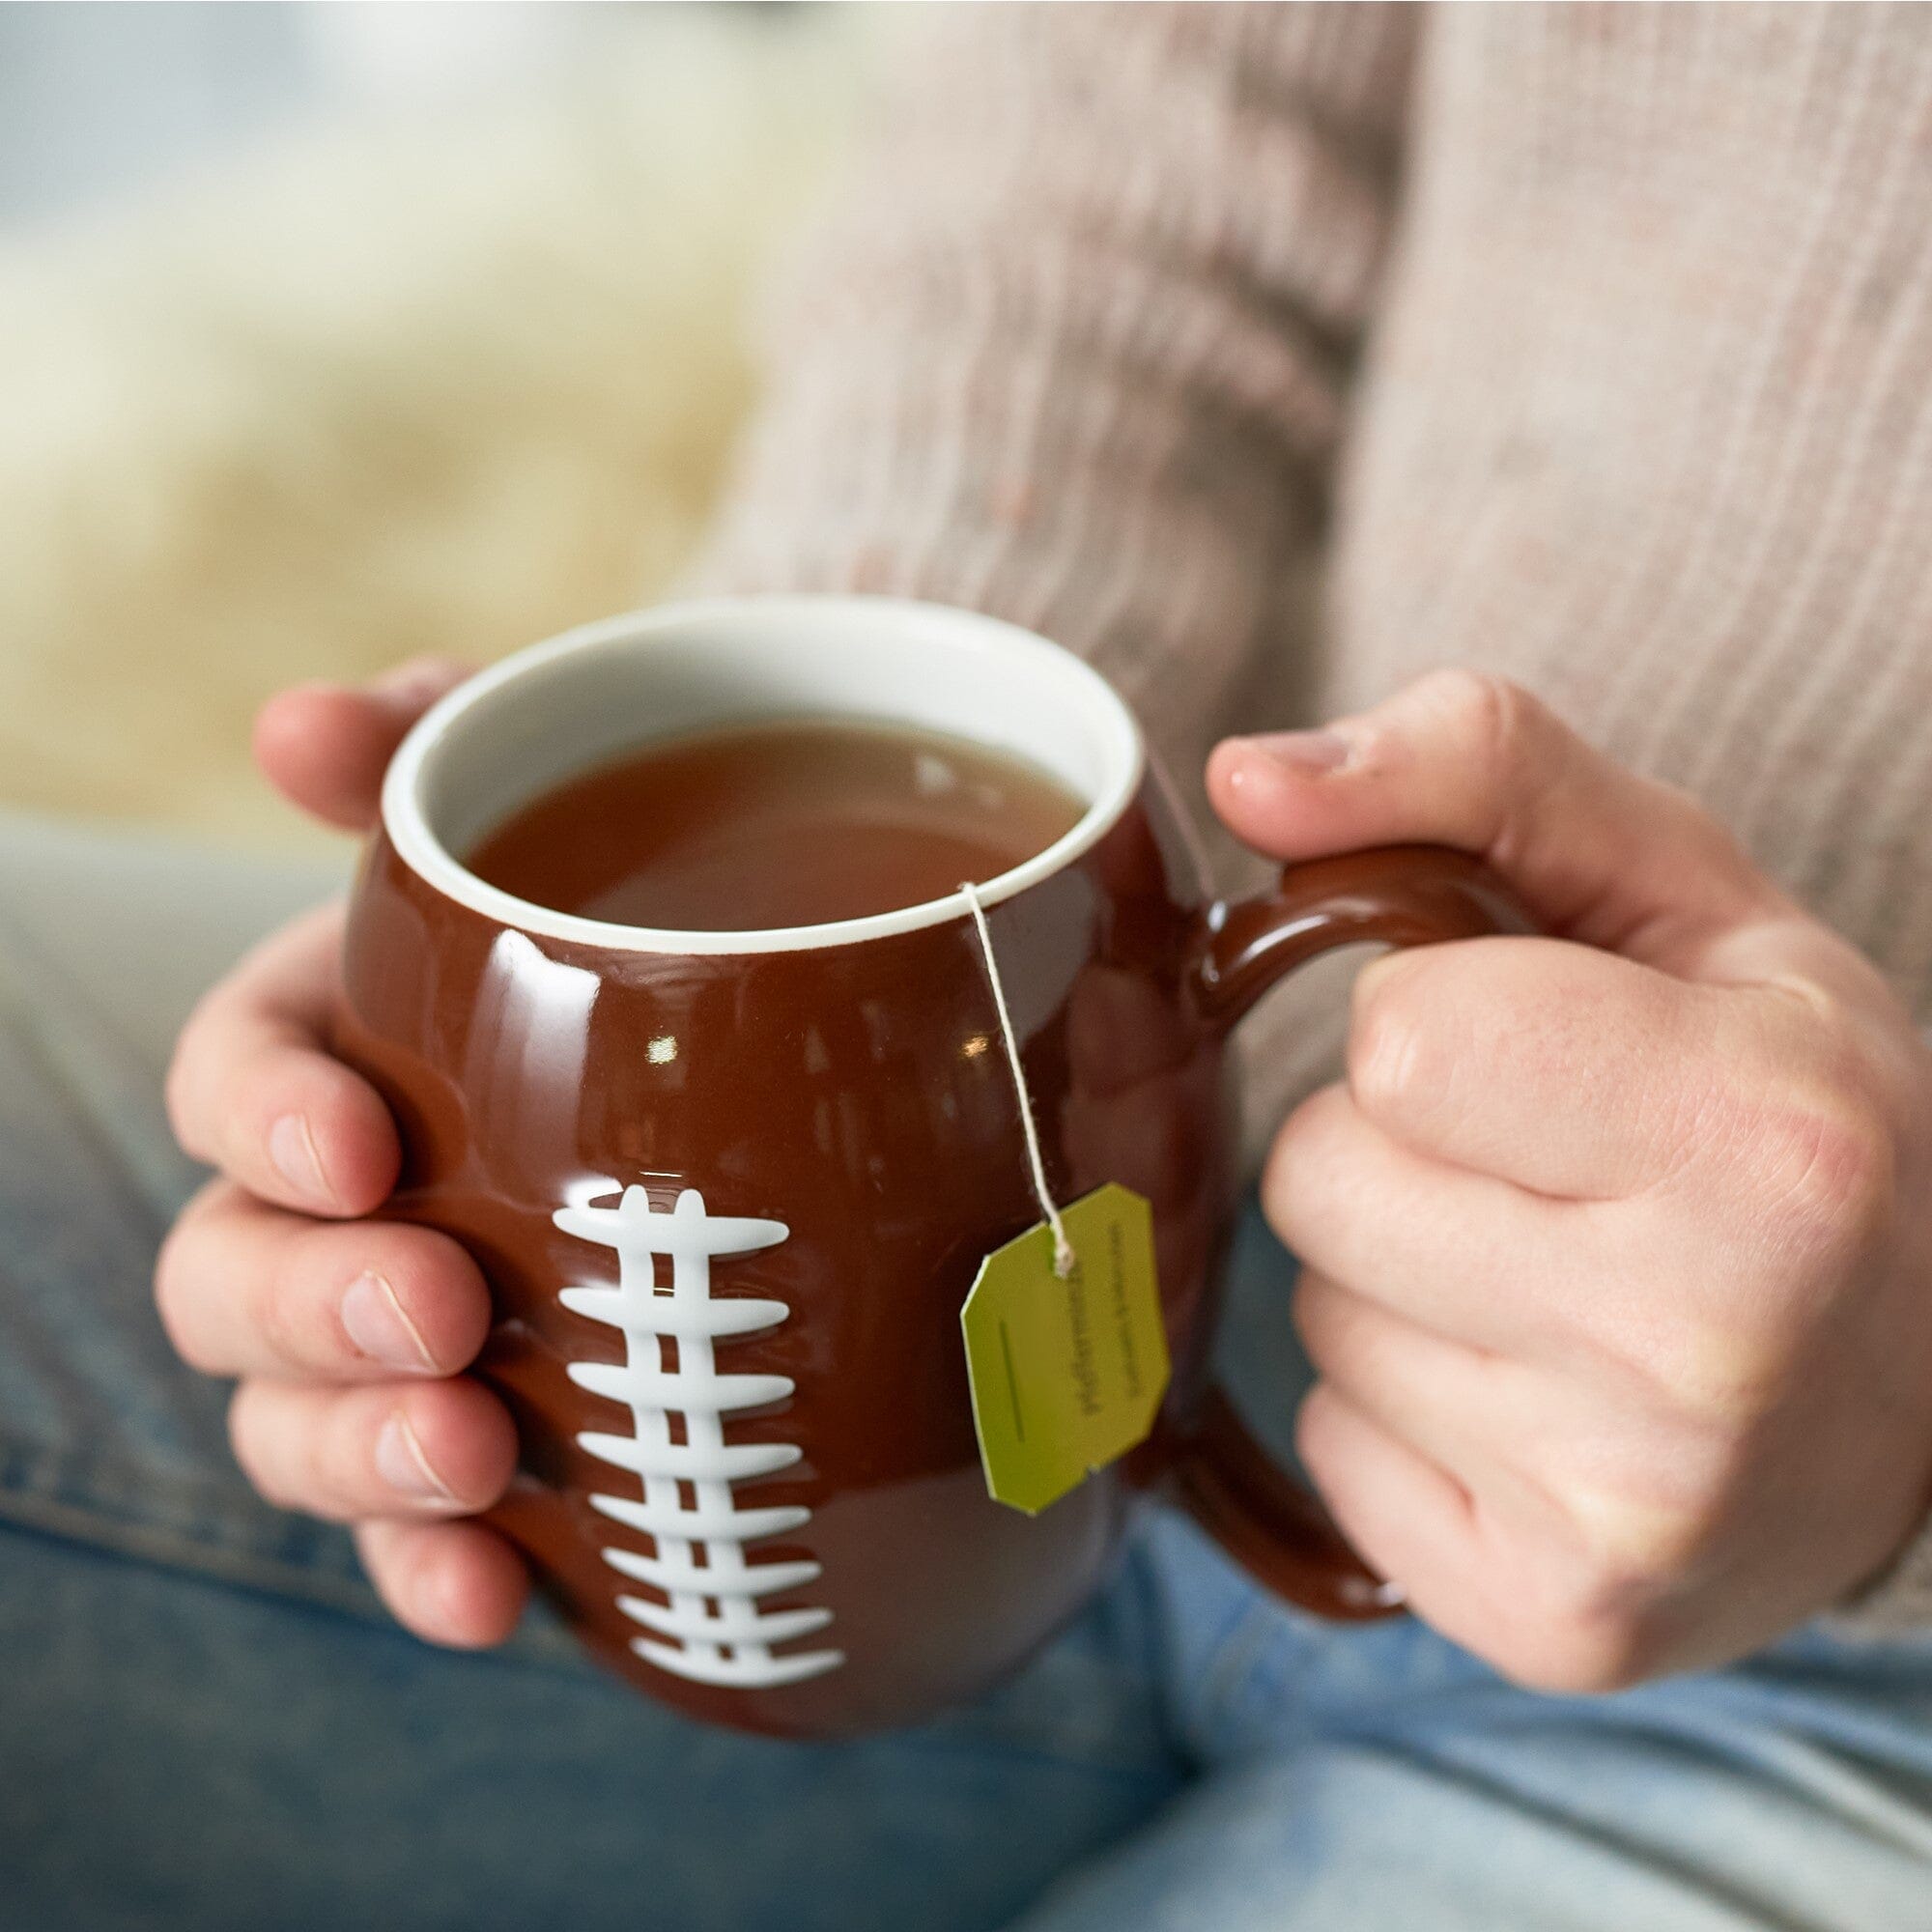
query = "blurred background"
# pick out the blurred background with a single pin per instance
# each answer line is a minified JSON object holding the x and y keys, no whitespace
{"x":334,"y":333}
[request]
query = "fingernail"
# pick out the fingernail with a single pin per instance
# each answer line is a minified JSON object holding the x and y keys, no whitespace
{"x":1305,"y":751}
{"x":380,"y":1326}
{"x":400,"y":1462}
{"x":292,"y":1147}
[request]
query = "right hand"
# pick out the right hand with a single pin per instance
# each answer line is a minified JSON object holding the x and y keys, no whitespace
{"x":348,"y":1333}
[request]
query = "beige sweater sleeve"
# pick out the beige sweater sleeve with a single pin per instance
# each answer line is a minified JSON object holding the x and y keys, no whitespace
{"x":1073,"y":346}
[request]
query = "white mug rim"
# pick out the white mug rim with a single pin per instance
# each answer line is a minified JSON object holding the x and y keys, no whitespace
{"x":406,"y":820}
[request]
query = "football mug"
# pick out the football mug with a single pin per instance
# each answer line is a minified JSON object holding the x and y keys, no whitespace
{"x":729,"y":1189}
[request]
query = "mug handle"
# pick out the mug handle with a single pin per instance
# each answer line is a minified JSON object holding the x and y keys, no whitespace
{"x":1394,"y":896}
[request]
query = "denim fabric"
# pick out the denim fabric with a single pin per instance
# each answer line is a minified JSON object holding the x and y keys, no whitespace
{"x":206,"y":1721}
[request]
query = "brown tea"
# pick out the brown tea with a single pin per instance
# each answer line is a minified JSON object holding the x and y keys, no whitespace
{"x":774,"y":825}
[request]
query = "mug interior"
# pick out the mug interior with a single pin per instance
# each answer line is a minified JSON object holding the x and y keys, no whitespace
{"x":546,"y":714}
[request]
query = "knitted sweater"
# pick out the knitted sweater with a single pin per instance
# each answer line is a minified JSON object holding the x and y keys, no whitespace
{"x":1271,"y":356}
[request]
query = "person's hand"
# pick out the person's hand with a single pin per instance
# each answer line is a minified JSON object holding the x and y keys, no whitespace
{"x":1617,"y":1244}
{"x":348,"y":1334}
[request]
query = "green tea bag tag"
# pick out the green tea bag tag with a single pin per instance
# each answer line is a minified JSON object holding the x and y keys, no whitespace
{"x":1064,"y":1348}
{"x":1068,"y":1373}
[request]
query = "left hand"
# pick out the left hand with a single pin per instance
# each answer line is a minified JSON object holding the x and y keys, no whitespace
{"x":1617,"y":1244}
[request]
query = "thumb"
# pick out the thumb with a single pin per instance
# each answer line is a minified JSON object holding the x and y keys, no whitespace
{"x":325,"y":747}
{"x":1598,"y":854}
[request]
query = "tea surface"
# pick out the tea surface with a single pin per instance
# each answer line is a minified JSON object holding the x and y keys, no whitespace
{"x":776,"y":825}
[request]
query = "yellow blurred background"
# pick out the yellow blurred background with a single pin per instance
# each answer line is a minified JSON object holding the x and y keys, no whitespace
{"x":440,"y":349}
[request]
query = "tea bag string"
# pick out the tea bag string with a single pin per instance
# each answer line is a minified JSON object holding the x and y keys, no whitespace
{"x":1062,"y":1248}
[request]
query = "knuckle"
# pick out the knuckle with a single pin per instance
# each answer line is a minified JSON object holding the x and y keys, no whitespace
{"x":1629,"y":1544}
{"x":1290,"y":1143}
{"x":276,"y":1310}
{"x":285,"y":1454}
{"x":1512,"y":745}
{"x":1578,"y":1628}
{"x":1584,"y":1608}
{"x":1725,"y":1372}
{"x":174,"y":1292}
{"x":244,"y":1430}
{"x":1581,"y":1655}
{"x":1316,"y":1417}
{"x":178,"y":1086}
{"x":1388,"y":1046}
{"x":1824,"y":1168}
{"x":1306,"y":1184}
{"x":390,"y":1562}
{"x":1496,"y":716}
{"x":1289,"y":1156}
{"x":1317,"y":1314}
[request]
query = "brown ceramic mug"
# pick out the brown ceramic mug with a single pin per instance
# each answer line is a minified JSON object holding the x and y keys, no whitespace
{"x":730,"y":1189}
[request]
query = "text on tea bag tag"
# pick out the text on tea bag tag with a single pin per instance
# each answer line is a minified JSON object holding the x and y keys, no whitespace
{"x":1066,"y":1372}
{"x":1065,"y":1355}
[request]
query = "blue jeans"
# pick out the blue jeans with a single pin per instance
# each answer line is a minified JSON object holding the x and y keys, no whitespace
{"x":206,"y":1721}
